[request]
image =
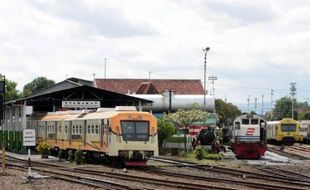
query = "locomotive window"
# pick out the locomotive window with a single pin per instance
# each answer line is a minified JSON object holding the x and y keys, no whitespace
{"x":135,"y":130}
{"x":288,"y":127}
{"x":254,"y":121}
{"x":237,"y":125}
{"x":245,"y":122}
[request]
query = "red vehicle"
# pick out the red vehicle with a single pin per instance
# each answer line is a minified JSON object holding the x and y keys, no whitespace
{"x":249,"y":136}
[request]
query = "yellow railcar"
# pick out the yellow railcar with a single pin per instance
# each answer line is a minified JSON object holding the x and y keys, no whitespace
{"x":122,"y":135}
{"x":286,"y":131}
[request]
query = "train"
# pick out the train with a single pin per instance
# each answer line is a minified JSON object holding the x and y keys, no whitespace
{"x":122,"y":135}
{"x":248,"y":136}
{"x":206,"y":136}
{"x":305,"y":130}
{"x":284,"y":132}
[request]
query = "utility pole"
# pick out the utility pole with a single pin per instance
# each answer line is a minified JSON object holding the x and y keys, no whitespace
{"x":262,"y":104}
{"x":213,"y":78}
{"x":255,"y":104}
{"x":293,"y":93}
{"x":150,"y":75}
{"x":4,"y":137}
{"x":249,"y":103}
{"x":205,"y":77}
{"x":105,"y":68}
{"x":271,"y":96}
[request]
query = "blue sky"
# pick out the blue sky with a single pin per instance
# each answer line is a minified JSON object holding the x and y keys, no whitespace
{"x":255,"y":46}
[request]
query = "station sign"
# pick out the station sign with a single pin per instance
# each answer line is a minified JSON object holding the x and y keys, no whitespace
{"x":29,"y":137}
{"x":81,"y":104}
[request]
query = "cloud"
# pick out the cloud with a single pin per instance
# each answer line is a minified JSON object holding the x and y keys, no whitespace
{"x":255,"y":45}
{"x":246,"y":12}
{"x":95,"y":17}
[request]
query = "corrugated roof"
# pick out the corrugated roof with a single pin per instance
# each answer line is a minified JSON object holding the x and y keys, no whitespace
{"x":125,"y":86}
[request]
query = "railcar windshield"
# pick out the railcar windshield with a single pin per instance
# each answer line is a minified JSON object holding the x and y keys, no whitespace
{"x":135,"y":130}
{"x":288,"y":127}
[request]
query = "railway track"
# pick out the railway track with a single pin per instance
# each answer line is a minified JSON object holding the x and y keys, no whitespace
{"x":62,"y":173}
{"x":289,"y":154}
{"x":92,"y":182}
{"x":197,"y":181}
{"x":284,"y":173}
{"x":289,"y":184}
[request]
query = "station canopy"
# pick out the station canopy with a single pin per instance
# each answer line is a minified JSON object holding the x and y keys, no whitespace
{"x":75,"y":90}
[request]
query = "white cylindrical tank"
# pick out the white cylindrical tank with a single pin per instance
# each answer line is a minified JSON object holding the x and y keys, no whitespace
{"x":161,"y":102}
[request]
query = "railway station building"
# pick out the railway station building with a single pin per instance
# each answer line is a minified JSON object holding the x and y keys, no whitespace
{"x":156,"y":95}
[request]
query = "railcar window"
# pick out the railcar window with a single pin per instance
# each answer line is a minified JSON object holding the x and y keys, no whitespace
{"x":80,"y":129}
{"x":66,"y":129}
{"x":245,"y":121}
{"x":254,"y":121}
{"x":288,"y":127}
{"x":88,"y":129}
{"x":135,"y":130}
{"x":92,"y":129}
{"x":97,"y":129}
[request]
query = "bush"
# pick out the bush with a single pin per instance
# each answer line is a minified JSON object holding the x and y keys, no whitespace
{"x":79,"y":158}
{"x":43,"y":148}
{"x":165,"y":130}
{"x":202,"y":154}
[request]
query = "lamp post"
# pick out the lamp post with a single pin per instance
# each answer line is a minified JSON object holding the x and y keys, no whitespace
{"x":2,"y":91}
{"x":204,"y":77}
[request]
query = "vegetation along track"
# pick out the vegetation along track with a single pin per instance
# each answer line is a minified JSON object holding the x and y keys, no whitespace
{"x":290,"y":182}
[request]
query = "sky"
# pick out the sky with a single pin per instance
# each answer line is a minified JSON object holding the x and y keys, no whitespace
{"x":255,"y":46}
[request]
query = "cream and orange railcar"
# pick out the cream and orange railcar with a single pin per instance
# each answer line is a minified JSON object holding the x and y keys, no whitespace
{"x":121,"y":135}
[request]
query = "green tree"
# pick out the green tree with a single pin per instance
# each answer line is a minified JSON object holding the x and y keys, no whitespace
{"x":165,"y":130}
{"x":307,"y":116}
{"x":183,"y":118}
{"x":227,"y":112}
{"x":37,"y":84}
{"x":283,"y":108}
{"x":11,"y":93}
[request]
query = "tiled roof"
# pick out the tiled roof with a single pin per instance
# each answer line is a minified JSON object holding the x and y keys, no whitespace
{"x":146,"y":86}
